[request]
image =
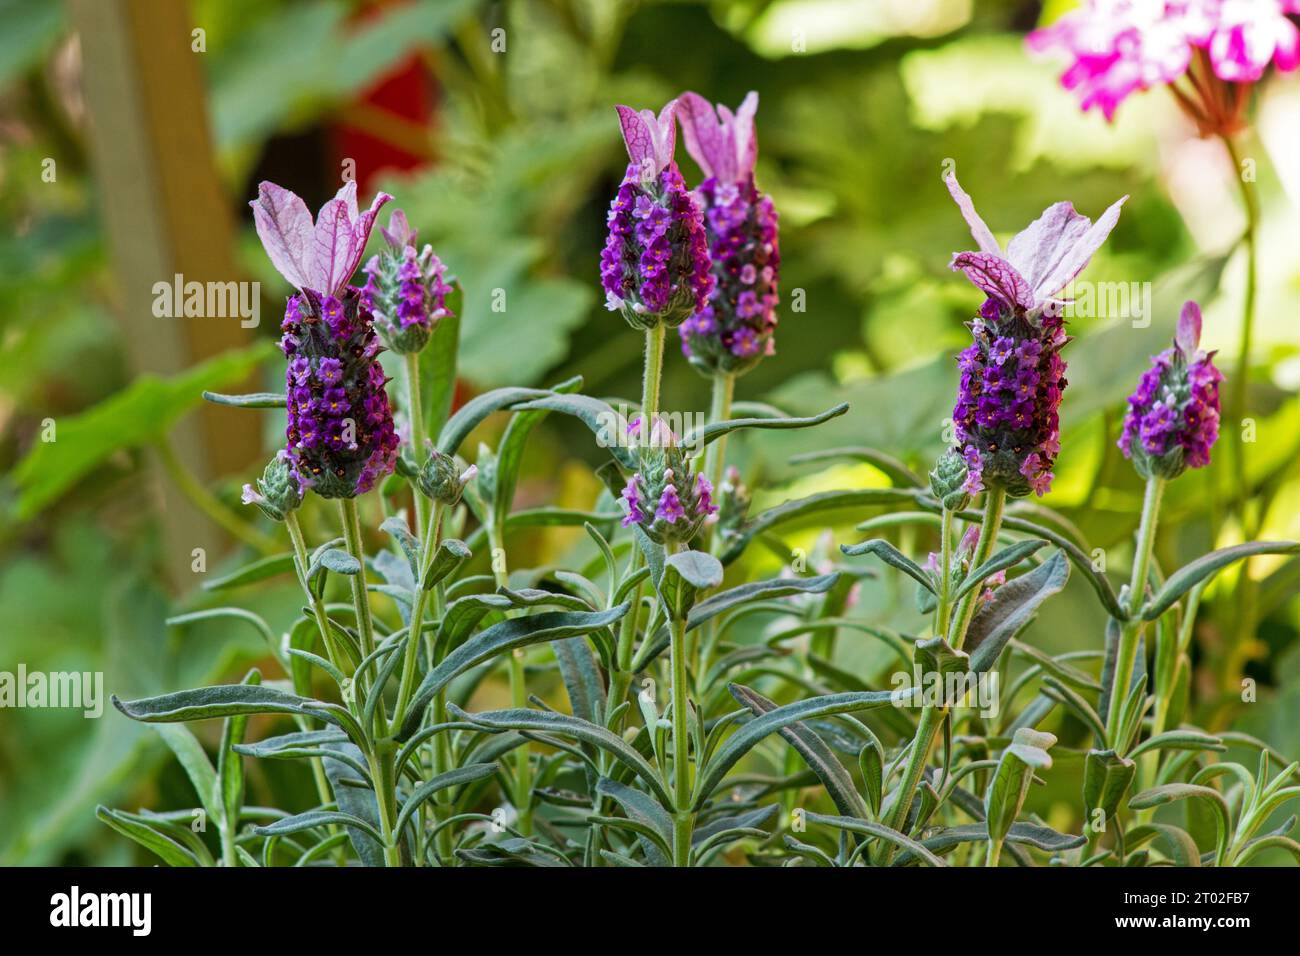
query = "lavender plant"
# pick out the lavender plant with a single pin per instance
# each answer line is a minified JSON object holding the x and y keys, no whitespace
{"x":669,"y":692}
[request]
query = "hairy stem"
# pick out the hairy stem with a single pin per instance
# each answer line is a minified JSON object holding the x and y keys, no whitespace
{"x":995,"y":500}
{"x":653,"y":372}
{"x":1131,"y":631}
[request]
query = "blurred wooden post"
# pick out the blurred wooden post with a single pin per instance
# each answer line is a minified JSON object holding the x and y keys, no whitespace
{"x":164,"y":214}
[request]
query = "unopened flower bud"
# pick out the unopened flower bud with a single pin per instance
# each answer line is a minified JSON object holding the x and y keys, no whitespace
{"x":442,"y":479}
{"x":948,"y":481}
{"x":279,"y":490}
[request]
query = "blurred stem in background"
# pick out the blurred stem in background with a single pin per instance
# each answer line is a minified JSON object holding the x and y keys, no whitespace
{"x":210,"y":504}
{"x":1249,"y":512}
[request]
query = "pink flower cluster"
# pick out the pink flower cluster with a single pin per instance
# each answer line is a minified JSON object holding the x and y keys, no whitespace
{"x":1117,"y":47}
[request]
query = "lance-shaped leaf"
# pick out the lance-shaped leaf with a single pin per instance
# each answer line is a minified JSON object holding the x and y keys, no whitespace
{"x":583,"y":682}
{"x":744,"y":739}
{"x":642,"y":808}
{"x":359,"y":802}
{"x":315,"y":818}
{"x":1011,"y":608}
{"x":686,"y":574}
{"x":1106,"y":778}
{"x":221,"y":700}
{"x":767,"y":590}
{"x":258,"y":570}
{"x":1170,"y":792}
{"x":895,"y":469}
{"x":700,"y":437}
{"x":1183,"y":739}
{"x":562,"y":725}
{"x":438,"y":783}
{"x":1175,"y":843}
{"x":251,"y":400}
{"x":816,"y":754}
{"x":510,"y":451}
{"x":451,"y":554}
{"x":1205,"y":567}
{"x":1024,"y":834}
{"x":800,"y":509}
{"x":1006,"y":794}
{"x":1006,"y":558}
{"x":605,"y":423}
{"x":893,"y":557}
{"x":880,"y":832}
{"x":500,"y":639}
{"x":472,"y":414}
{"x":143,"y":832}
{"x":194,"y":760}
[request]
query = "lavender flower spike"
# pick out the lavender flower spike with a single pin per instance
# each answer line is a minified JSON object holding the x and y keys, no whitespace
{"x":1173,"y":417}
{"x":734,"y":331}
{"x":340,"y":435}
{"x":655,"y":264}
{"x":665,"y":496}
{"x":406,"y":288}
{"x":1006,"y":420}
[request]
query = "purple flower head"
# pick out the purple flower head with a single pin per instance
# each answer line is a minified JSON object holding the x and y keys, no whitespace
{"x":1039,"y":261}
{"x":655,"y":264}
{"x":340,"y":435}
{"x":1007,"y":415}
{"x":406,"y":289}
{"x":315,"y":256}
{"x":733,"y":332}
{"x":1173,"y":418}
{"x":665,"y":497}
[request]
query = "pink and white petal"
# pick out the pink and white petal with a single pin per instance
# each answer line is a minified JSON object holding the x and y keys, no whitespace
{"x":703,"y":134}
{"x":665,"y":135}
{"x":348,"y":193}
{"x":995,"y":277}
{"x":399,"y":232}
{"x":1188,"y":334}
{"x":285,"y":227}
{"x":982,"y":234}
{"x":1079,"y":253}
{"x":636,"y":136}
{"x":361,"y":227}
{"x":1038,"y":249}
{"x":746,"y":143}
{"x":334,"y":241}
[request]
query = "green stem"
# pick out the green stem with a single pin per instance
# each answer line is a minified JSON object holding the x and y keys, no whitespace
{"x":518,"y":695}
{"x":683,"y":818}
{"x":332,"y":650}
{"x":917,"y":758}
{"x":209,"y":503}
{"x":361,"y":601}
{"x":943,"y":613}
{"x":413,"y":639}
{"x":715,"y":456}
{"x":1131,"y":631}
{"x":653,"y":372}
{"x":1240,"y":381}
{"x":415,"y":410}
{"x":995,"y":500}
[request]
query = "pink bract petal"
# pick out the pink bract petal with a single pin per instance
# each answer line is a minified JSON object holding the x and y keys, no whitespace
{"x":650,"y":140}
{"x":333,"y":241}
{"x":1075,"y":257}
{"x":995,"y":277}
{"x":705,"y":137}
{"x":285,"y":227}
{"x":1188,"y":335}
{"x":399,"y":232}
{"x":1039,"y":249}
{"x":982,"y":234}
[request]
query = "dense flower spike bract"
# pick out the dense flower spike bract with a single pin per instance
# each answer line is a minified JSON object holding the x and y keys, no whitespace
{"x":340,"y":435}
{"x":1006,"y":420}
{"x":734,"y":331}
{"x":406,"y":289}
{"x":666,"y":497}
{"x":655,"y":266}
{"x":1173,"y":417}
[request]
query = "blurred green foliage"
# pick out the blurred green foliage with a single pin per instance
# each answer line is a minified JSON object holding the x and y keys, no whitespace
{"x":854,"y":136}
